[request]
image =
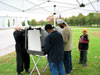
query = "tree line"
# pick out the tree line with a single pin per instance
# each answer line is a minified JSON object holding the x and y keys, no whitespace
{"x":33,"y":22}
{"x":80,"y":20}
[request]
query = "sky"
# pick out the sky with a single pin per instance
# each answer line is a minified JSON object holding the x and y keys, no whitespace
{"x":41,"y":9}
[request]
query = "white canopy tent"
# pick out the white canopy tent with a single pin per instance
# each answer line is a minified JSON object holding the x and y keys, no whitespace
{"x":47,"y":7}
{"x":44,"y":8}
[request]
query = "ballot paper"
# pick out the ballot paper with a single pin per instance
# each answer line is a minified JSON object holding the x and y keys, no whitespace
{"x":34,"y":42}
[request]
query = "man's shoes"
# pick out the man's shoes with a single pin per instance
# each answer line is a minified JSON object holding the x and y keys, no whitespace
{"x":84,"y":65}
{"x":28,"y":71}
{"x":71,"y":70}
{"x":68,"y":74}
{"x":19,"y":74}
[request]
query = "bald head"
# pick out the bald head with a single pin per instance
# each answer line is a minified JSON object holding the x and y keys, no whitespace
{"x":18,"y":28}
{"x":25,"y":27}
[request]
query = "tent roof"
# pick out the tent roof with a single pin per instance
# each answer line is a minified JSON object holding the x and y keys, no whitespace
{"x":47,"y":6}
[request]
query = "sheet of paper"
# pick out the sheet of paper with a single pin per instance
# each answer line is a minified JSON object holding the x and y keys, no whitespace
{"x":34,"y":42}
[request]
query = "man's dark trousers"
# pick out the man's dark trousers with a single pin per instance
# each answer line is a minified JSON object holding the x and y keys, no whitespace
{"x":23,"y":60}
{"x":67,"y":61}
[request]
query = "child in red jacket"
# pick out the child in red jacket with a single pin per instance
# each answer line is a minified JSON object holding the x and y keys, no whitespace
{"x":83,"y":47}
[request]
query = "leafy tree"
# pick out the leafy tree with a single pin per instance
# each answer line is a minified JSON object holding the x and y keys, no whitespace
{"x":8,"y":23}
{"x":81,"y":19}
{"x":29,"y":22}
{"x":97,"y":19}
{"x":42,"y":23}
{"x":90,"y":18}
{"x":23,"y":23}
{"x":33,"y":22}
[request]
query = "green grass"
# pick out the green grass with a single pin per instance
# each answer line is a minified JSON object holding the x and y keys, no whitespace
{"x":85,"y":26}
{"x":8,"y":62}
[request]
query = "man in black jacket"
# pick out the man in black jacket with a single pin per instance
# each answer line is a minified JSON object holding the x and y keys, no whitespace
{"x":22,"y":57}
{"x":55,"y":50}
{"x":26,"y":58}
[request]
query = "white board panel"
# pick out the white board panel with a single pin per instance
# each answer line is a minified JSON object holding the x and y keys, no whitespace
{"x":34,"y":42}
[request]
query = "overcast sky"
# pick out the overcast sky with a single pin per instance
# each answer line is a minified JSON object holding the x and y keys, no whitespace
{"x":40,"y":9}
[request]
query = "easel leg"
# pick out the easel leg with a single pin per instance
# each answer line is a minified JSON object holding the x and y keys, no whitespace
{"x":45,"y":67}
{"x":35,"y":65}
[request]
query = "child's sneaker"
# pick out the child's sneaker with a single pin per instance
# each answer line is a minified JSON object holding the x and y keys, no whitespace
{"x":80,"y":63}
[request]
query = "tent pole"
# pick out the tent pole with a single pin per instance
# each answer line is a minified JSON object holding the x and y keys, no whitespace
{"x":78,"y":2}
{"x":54,"y":21}
{"x":54,"y":15}
{"x":92,"y":5}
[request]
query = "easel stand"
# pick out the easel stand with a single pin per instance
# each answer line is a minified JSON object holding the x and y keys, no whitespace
{"x":35,"y":65}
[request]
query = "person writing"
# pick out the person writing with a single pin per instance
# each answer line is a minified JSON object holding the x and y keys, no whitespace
{"x":55,"y":50}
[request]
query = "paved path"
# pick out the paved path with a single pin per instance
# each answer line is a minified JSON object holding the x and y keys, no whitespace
{"x":6,"y":42}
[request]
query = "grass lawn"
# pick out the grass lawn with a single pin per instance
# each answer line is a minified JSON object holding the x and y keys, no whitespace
{"x":85,"y":26}
{"x":8,"y":62}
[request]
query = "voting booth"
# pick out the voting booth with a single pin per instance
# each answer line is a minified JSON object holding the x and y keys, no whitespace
{"x":34,"y":42}
{"x":36,"y":39}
